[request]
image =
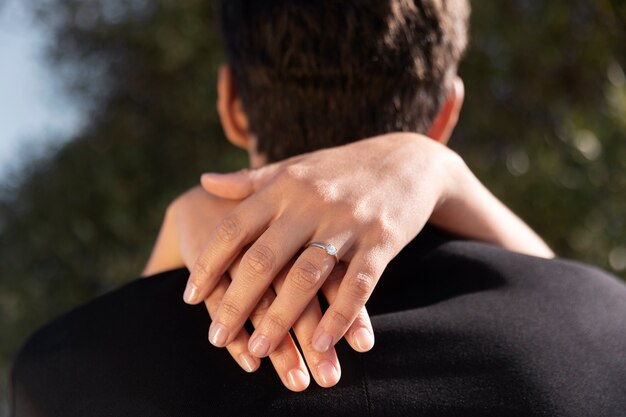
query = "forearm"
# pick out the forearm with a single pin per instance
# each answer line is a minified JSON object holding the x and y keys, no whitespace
{"x":472,"y":211}
{"x":166,"y":253}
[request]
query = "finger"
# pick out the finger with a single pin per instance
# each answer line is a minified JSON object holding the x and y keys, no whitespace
{"x":243,"y":224}
{"x":290,"y":366}
{"x":286,"y":359}
{"x":301,"y":285}
{"x":241,"y":184}
{"x":238,"y":348}
{"x":324,"y":366}
{"x":360,"y":335}
{"x":233,"y":186}
{"x":238,"y":185}
{"x":261,"y":263}
{"x":355,"y":289}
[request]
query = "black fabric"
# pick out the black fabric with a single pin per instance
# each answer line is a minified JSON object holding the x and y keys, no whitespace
{"x":462,"y":329}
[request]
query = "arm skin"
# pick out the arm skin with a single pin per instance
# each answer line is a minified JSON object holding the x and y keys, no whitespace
{"x":473,"y":212}
{"x":414,"y":178}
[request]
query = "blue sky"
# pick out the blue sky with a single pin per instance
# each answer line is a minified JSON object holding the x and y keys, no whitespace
{"x":33,"y":111}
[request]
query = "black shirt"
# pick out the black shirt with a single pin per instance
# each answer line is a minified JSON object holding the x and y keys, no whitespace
{"x":462,"y":329}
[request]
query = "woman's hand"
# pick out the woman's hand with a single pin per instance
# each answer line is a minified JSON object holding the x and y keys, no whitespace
{"x":187,"y":225}
{"x":368,"y":199}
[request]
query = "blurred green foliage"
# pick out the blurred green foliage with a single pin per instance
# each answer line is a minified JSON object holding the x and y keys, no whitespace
{"x":544,"y":127}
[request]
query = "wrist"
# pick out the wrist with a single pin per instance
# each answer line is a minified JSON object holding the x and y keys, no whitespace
{"x":455,"y":178}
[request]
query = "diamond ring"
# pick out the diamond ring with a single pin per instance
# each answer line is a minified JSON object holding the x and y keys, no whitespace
{"x":328,"y":248}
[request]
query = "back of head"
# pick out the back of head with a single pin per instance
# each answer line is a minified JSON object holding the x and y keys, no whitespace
{"x":319,"y":73}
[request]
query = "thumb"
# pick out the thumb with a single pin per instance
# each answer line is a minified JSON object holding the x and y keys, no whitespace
{"x":242,"y":184}
{"x":233,"y":185}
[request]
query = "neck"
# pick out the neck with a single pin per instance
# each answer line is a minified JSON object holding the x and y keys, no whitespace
{"x":255,"y":159}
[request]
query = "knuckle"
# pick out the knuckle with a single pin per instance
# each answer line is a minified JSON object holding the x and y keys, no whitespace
{"x":275,"y":323}
{"x":229,"y":229}
{"x":256,"y":316}
{"x":306,"y":343}
{"x":327,"y":193}
{"x":339,"y":317}
{"x":361,"y":285}
{"x":382,"y":227}
{"x":385,"y":236}
{"x":360,"y":217}
{"x":299,"y":177}
{"x":293,"y":174}
{"x":306,"y":276}
{"x":261,"y":309}
{"x":292,"y":177}
{"x":264,"y":305}
{"x":230,"y":308}
{"x":201,"y":269}
{"x":260,"y":259}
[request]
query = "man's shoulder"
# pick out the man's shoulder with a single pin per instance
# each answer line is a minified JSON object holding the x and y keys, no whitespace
{"x":436,"y":266}
{"x":130,"y":303}
{"x":496,"y":321}
{"x":451,"y":318}
{"x":80,"y":351}
{"x":141,"y":351}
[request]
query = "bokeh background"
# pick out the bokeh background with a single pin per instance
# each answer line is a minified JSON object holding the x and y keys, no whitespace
{"x":544,"y":127}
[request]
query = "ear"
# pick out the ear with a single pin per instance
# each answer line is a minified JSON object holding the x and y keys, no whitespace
{"x":233,"y":118}
{"x":449,"y":114}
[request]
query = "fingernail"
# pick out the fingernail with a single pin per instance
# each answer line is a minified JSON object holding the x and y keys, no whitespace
{"x":327,"y":373}
{"x":191,"y":293}
{"x":259,"y":346}
{"x":218,"y":334}
{"x":297,"y":379}
{"x":248,"y":362}
{"x":323,"y":342}
{"x":363,"y":339}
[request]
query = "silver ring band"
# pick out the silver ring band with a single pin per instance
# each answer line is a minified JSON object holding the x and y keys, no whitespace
{"x":328,"y":248}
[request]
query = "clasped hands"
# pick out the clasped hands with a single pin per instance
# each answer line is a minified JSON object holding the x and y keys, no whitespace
{"x":368,"y":199}
{"x":254,"y":265}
